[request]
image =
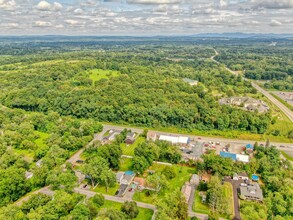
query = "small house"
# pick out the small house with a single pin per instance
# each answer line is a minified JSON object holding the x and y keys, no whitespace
{"x":119,"y":177}
{"x":151,"y":136}
{"x":130,"y":138}
{"x":140,"y":183}
{"x":127,"y":177}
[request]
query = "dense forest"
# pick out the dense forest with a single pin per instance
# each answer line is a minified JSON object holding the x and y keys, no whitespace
{"x":147,"y":87}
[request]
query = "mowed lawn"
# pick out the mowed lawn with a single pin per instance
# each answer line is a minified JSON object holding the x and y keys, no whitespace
{"x":228,"y":192}
{"x":198,"y":206}
{"x":144,"y":214}
{"x":183,"y":175}
{"x":128,"y":149}
{"x":111,"y":190}
{"x":98,"y":74}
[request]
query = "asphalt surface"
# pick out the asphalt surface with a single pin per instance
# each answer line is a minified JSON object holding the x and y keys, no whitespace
{"x":276,"y":102}
{"x":235,"y":199}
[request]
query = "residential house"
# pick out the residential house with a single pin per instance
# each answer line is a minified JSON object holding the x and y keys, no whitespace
{"x":151,"y":136}
{"x":119,"y":177}
{"x":251,"y":192}
{"x":130,"y":138}
{"x":126,"y":180}
{"x":140,"y":183}
{"x":112,"y":135}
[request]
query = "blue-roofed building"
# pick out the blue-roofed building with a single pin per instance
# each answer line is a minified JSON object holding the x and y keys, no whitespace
{"x":228,"y":155}
{"x":254,"y":177}
{"x":249,"y":146}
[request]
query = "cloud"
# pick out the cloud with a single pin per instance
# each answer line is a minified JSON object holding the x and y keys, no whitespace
{"x":274,"y":4}
{"x":78,"y":11}
{"x":154,"y":1}
{"x":71,"y":22}
{"x":42,"y":24}
{"x":44,"y":6}
{"x":57,"y":6}
{"x":275,"y":23}
{"x":8,"y":4}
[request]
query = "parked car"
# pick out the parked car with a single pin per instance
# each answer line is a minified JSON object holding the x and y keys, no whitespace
{"x":79,"y":161}
{"x":243,"y":184}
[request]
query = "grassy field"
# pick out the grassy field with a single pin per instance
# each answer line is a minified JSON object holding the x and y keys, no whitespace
{"x":98,"y":74}
{"x":41,"y":140}
{"x":111,"y":190}
{"x":182,"y":175}
{"x":198,"y":206}
{"x":144,"y":214}
{"x":228,"y":191}
{"x":129,"y":149}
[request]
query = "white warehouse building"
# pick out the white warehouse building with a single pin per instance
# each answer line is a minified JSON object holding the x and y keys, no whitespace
{"x":175,"y":139}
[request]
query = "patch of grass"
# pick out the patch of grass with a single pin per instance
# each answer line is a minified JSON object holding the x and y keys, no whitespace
{"x":129,"y":149}
{"x":42,"y":138}
{"x":125,"y":164}
{"x":111,"y":190}
{"x":98,"y":74}
{"x":183,"y":174}
{"x":198,"y":206}
{"x":145,"y":214}
{"x":28,"y":154}
{"x":228,"y":192}
{"x":288,"y":157}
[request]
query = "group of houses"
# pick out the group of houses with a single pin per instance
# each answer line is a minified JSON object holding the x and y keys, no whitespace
{"x":246,"y":103}
{"x":130,"y":137}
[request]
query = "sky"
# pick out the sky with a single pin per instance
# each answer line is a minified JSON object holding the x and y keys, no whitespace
{"x":144,"y":17}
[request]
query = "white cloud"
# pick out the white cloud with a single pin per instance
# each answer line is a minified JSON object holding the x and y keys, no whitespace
{"x":57,"y":6}
{"x":43,"y":24}
{"x":154,"y":1}
{"x":78,"y":11}
{"x":44,"y":6}
{"x":71,"y":22}
{"x":275,"y":23}
{"x":8,"y":4}
{"x":274,"y":4}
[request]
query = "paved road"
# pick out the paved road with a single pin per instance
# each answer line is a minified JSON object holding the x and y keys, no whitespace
{"x":288,"y":147}
{"x":276,"y":102}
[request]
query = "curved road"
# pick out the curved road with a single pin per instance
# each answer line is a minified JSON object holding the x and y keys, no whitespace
{"x":276,"y":102}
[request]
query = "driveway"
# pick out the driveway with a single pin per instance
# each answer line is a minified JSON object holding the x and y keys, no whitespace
{"x":235,"y":185}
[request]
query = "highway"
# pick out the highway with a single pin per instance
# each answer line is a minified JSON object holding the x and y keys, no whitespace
{"x":276,"y":102}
